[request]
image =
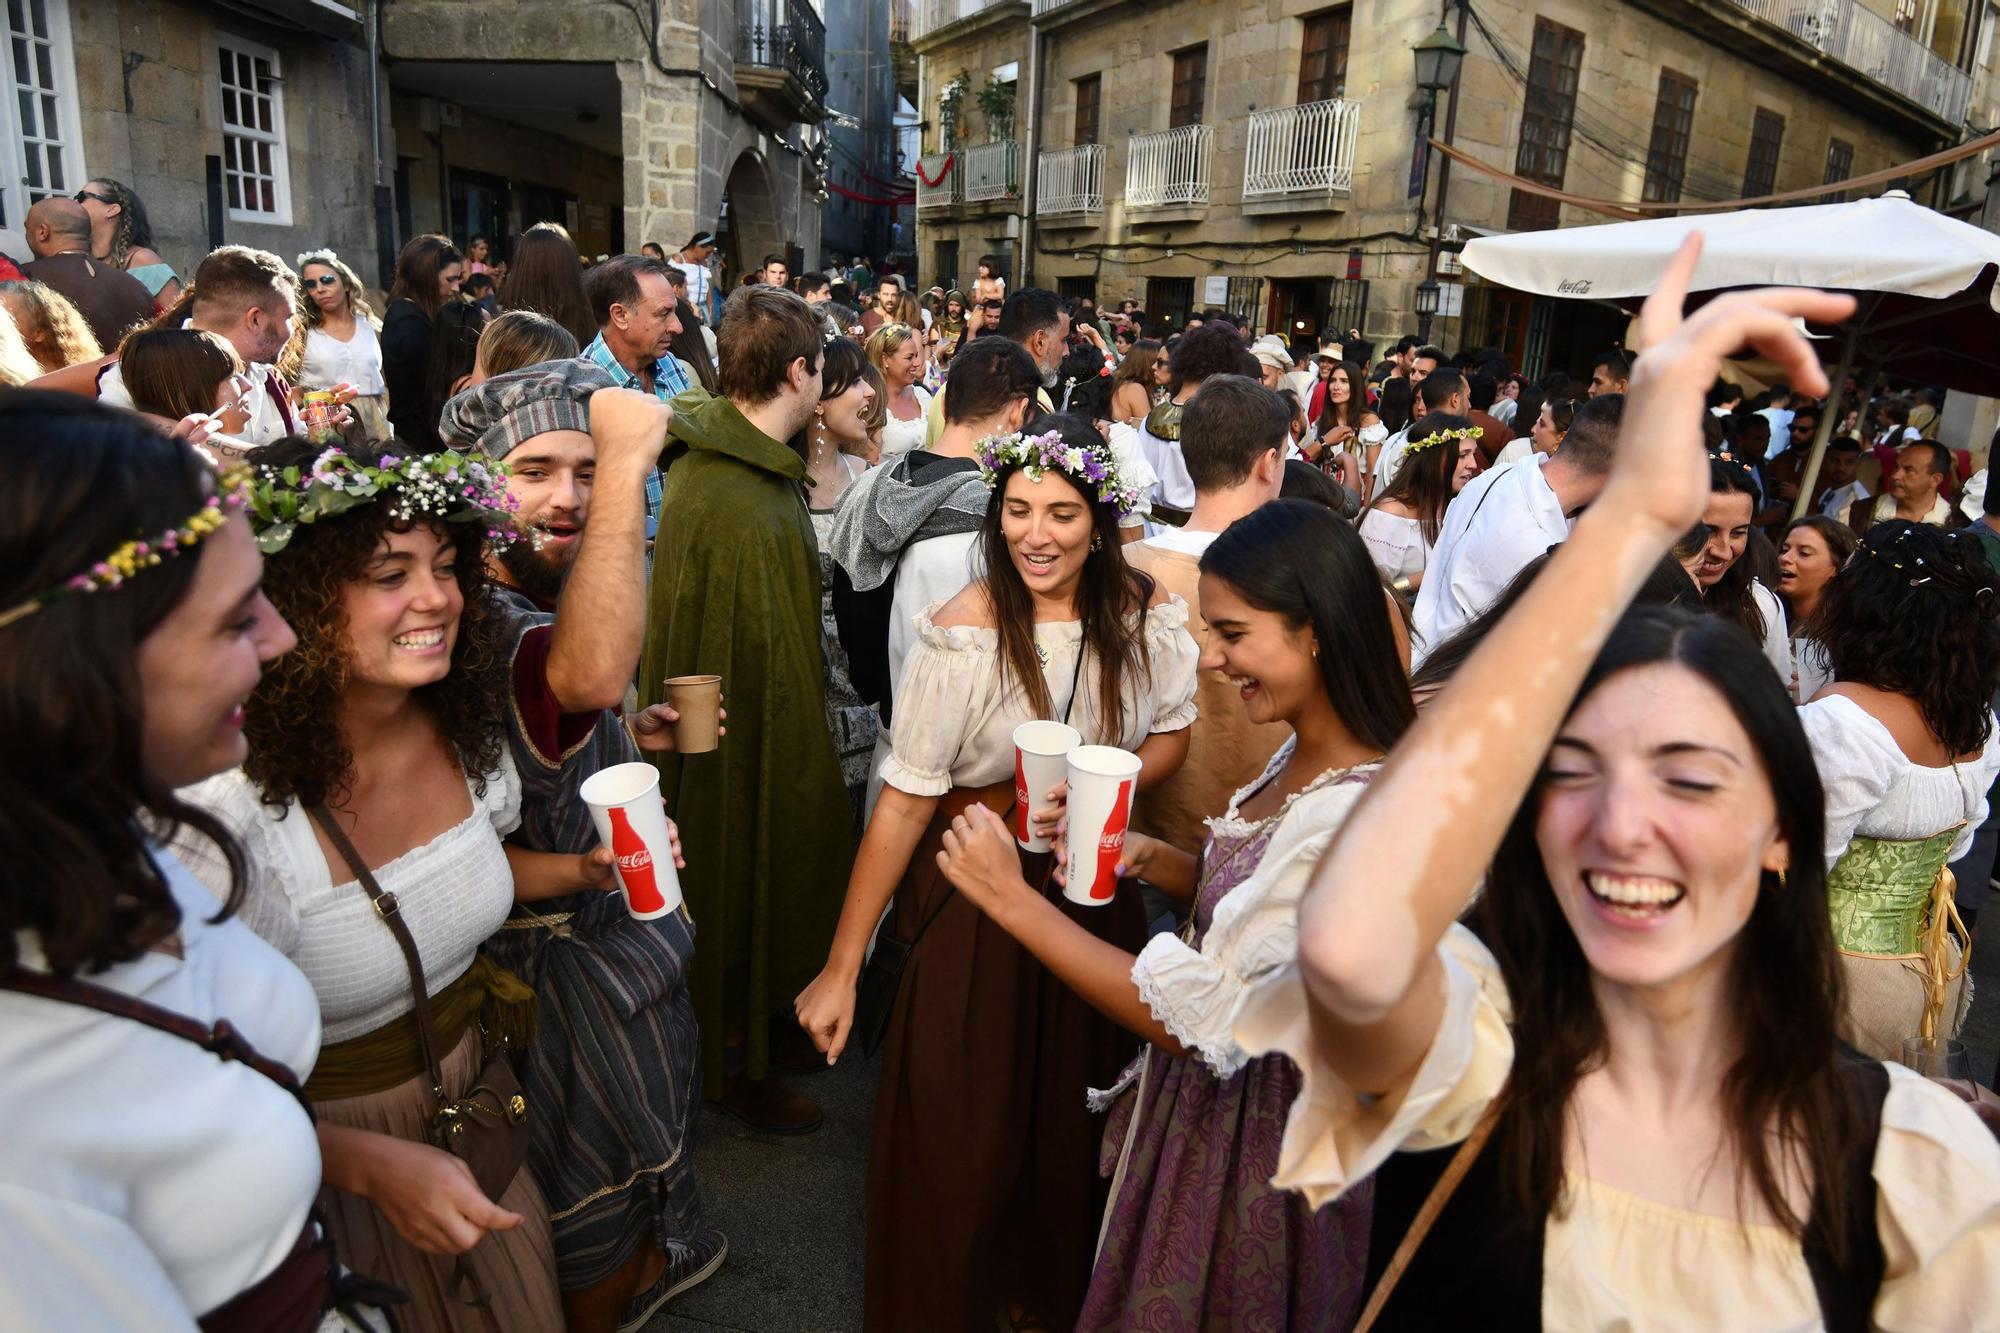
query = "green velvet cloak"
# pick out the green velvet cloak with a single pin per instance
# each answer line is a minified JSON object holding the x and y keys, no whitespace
{"x":764,"y":820}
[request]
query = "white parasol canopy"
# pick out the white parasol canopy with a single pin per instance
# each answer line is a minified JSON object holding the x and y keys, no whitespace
{"x":1928,"y":308}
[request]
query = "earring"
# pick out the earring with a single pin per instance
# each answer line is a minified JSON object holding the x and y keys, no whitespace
{"x":1096,"y":541}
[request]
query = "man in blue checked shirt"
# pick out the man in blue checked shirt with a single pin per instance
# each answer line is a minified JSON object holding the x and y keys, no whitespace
{"x":636,"y":314}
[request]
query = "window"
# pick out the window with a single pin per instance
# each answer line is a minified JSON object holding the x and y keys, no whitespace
{"x":1087,"y":91}
{"x":1543,"y":157}
{"x":1169,"y":300}
{"x":1190,"y":86}
{"x":38,"y":120}
{"x":1767,"y":139}
{"x":1667,"y":155}
{"x":1077,"y":289}
{"x":1323,"y":62}
{"x":947,"y":264}
{"x":256,"y":180}
{"x":1839,"y":166}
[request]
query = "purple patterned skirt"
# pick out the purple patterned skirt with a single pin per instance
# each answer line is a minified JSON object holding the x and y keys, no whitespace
{"x":1196,"y":1236}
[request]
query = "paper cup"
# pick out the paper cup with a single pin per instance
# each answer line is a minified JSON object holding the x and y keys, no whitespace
{"x":1041,"y":760}
{"x":698,"y":699}
{"x":624,"y":803}
{"x":1101,"y":782}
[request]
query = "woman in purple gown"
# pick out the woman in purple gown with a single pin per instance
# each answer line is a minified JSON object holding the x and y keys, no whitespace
{"x":1196,"y":1237}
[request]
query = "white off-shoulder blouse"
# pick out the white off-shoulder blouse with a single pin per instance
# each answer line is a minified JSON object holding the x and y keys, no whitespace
{"x":955,"y":714}
{"x":1616,"y":1261}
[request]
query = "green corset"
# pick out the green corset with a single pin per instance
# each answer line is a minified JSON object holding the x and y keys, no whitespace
{"x":1880,"y":892}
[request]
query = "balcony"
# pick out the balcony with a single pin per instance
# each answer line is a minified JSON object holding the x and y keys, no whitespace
{"x":781,"y":64}
{"x":940,"y":178}
{"x":1169,"y":169}
{"x":1300,"y":157}
{"x":1871,"y":45}
{"x":935,"y":14}
{"x":1069,"y":182}
{"x":992,"y":171}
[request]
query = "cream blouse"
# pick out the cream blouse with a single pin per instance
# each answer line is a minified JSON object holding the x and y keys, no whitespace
{"x":1613,"y":1260}
{"x":955,"y":716}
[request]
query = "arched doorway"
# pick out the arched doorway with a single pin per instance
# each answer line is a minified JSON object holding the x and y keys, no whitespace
{"x":749,"y":227}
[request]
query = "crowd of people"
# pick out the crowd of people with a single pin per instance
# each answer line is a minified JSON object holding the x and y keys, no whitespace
{"x":1548,"y":892}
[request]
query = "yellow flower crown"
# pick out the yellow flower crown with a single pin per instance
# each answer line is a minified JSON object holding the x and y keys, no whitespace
{"x":1466,"y":433}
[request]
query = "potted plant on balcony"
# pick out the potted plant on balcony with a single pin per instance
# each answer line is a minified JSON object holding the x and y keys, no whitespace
{"x":951,"y":110}
{"x":996,"y":103}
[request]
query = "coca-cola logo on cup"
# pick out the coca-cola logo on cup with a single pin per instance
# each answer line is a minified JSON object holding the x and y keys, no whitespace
{"x":639,"y":860}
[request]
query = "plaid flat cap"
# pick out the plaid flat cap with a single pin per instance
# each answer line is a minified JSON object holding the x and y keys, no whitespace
{"x":510,"y":409}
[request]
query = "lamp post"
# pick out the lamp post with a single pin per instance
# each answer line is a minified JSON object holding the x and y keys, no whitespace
{"x":1438,"y":58}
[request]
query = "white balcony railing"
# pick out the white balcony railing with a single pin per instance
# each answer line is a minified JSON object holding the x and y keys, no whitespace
{"x":992,"y":171}
{"x":1870,"y":44}
{"x":1051,"y":6}
{"x":948,"y":170}
{"x":1297,"y":150}
{"x":1070,"y":180}
{"x":935,"y":14}
{"x":1169,"y":168}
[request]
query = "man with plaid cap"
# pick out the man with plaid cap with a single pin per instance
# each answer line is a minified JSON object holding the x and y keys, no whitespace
{"x":614,"y":1076}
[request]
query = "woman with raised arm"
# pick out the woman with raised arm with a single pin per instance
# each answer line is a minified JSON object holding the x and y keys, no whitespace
{"x":1636,"y":1072}
{"x":980,"y":1167}
{"x":1196,"y":1236}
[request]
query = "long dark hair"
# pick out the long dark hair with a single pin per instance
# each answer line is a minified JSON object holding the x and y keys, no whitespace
{"x":1785,"y":1105}
{"x":418,"y":264}
{"x":81,"y":480}
{"x":1357,"y":399}
{"x":545,"y":275}
{"x":1299,"y":560}
{"x":690,"y":346}
{"x":841,"y":364}
{"x":1423,"y":481}
{"x":454,"y":352}
{"x":1913,"y":613}
{"x":1394,"y":407}
{"x":290,"y":761}
{"x":1111,"y":598}
{"x":1730,"y":596}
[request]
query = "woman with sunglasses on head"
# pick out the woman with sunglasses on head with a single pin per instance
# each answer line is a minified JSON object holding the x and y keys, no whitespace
{"x":1401,"y":525}
{"x":121,"y":235}
{"x":1196,"y":1236}
{"x":145,"y":1181}
{"x":980,"y":1181}
{"x":1546,"y":427}
{"x":897,"y":350}
{"x":1903,"y":739}
{"x":1634,"y":1065}
{"x":342,"y":340}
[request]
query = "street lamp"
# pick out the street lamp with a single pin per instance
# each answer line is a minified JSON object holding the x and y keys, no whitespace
{"x":1438,"y":57}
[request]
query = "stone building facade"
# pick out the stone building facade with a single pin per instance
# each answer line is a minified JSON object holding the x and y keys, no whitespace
{"x":1263,"y":157}
{"x":250,"y":121}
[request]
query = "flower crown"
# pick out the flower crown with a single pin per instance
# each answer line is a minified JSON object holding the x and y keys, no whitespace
{"x":143,"y":553}
{"x":448,"y":487}
{"x":1464,"y":433}
{"x":1035,"y":455}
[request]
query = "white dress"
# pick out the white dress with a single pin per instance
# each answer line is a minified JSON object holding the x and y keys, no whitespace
{"x":899,"y":436}
{"x":1777,"y":635}
{"x":329,"y":361}
{"x":1396,"y":544}
{"x":1613,"y":1261}
{"x":955,"y":716}
{"x":143,"y":1180}
{"x":454,"y":891}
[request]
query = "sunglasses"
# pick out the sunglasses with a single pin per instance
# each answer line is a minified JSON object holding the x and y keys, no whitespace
{"x":323,"y":280}
{"x":82,"y":195}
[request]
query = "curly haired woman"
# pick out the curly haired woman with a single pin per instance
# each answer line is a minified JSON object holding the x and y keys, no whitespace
{"x":382,"y":725}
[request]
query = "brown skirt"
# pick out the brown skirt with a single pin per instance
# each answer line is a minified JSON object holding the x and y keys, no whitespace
{"x":1885,"y":1002}
{"x":982,"y":1182}
{"x":516,"y":1268}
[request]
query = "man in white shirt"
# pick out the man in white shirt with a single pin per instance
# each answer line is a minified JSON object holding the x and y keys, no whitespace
{"x":248,"y":298}
{"x":1505,"y":518}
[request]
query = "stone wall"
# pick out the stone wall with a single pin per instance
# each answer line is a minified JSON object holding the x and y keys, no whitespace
{"x":151,"y":112}
{"x":993,"y":227}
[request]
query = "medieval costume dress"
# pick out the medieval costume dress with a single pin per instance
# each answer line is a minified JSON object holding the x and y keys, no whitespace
{"x":765,"y":821}
{"x":613,"y":1078}
{"x":980,"y":1183}
{"x":1892,"y":826}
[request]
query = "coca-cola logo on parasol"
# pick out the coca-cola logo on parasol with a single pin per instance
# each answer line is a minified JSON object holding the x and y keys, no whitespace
{"x":1573,"y":287}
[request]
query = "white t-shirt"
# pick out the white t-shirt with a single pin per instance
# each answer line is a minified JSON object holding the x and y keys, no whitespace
{"x":1500,"y":522}
{"x":697,"y":276}
{"x":143,"y":1180}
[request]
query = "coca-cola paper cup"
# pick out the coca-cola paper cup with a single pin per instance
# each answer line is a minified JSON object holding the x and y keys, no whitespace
{"x":624,"y":802}
{"x":1101,"y":782}
{"x":1041,"y":760}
